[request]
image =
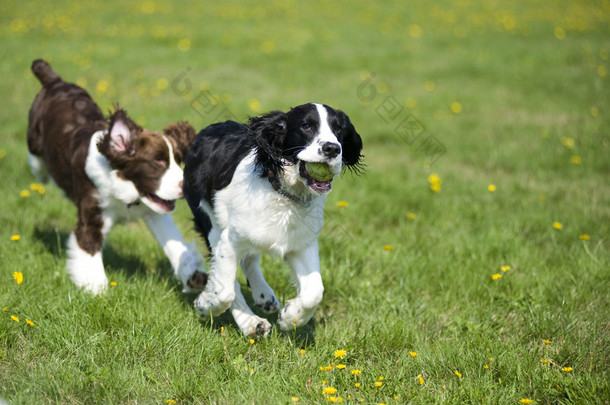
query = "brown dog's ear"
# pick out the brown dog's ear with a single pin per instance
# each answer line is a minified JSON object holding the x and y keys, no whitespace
{"x":183,"y":133}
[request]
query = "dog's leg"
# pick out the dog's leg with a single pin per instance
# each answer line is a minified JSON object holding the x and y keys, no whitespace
{"x":219,"y":291}
{"x":84,"y":264}
{"x":248,"y":322}
{"x":262,"y":294}
{"x":306,"y":267}
{"x":184,"y":259}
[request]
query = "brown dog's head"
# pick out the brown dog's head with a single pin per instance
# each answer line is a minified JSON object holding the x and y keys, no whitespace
{"x":148,"y":159}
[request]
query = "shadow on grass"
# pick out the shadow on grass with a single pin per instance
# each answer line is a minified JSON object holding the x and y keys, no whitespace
{"x":55,"y":242}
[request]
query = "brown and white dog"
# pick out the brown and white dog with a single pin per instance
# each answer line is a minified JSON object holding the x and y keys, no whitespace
{"x":113,"y":171}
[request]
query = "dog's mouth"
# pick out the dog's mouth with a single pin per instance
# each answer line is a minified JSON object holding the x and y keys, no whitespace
{"x":318,"y":186}
{"x":165,"y":205}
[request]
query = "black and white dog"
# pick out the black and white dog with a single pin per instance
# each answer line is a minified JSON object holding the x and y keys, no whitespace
{"x":250,"y":193}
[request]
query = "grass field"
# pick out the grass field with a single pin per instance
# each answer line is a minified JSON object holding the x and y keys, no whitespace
{"x":469,"y":264}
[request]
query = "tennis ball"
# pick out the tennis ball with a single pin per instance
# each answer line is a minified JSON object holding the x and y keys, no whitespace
{"x":319,"y":171}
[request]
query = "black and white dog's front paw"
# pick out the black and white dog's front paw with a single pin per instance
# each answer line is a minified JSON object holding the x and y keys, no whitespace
{"x":254,"y":326}
{"x":266,"y":301}
{"x":214,"y":302}
{"x":196,"y":282}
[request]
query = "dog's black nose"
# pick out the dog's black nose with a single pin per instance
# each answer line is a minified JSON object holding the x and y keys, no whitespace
{"x":331,"y":149}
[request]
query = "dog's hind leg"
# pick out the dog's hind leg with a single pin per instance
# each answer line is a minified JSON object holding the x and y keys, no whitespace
{"x":262,"y":294}
{"x":248,"y":322}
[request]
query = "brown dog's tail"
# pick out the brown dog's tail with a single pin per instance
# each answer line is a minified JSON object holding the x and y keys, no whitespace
{"x":44,"y":73}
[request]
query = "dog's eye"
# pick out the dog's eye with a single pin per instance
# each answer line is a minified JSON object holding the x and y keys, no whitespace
{"x":305,"y":126}
{"x":336,"y":128}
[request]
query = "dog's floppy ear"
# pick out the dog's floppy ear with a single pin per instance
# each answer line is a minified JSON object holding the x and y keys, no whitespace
{"x":351,"y":144}
{"x":183,"y":133}
{"x":269,"y":132}
{"x":118,"y":144}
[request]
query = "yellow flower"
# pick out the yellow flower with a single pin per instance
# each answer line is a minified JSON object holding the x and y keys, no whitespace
{"x":222,"y":329}
{"x":388,"y":248}
{"x":162,"y":83}
{"x":429,"y":85}
{"x":413,"y":354}
{"x":584,"y":236}
{"x":410,"y":215}
{"x":458,"y":373}
{"x":302,"y":351}
{"x":24,"y":193}
{"x":2,"y":153}
{"x":496,"y":276}
{"x":329,"y":390}
{"x":357,"y":385}
{"x":560,"y":33}
{"x":170,"y":401}
{"x":113,"y":284}
{"x":486,"y":367}
{"x":342,"y":204}
{"x":557,"y":225}
{"x":5,"y":309}
{"x":525,"y":401}
{"x":505,"y":268}
{"x":456,"y":107}
{"x":15,"y":238}
{"x":14,"y":318}
{"x":29,"y":322}
{"x":415,"y":31}
{"x":491,"y":188}
{"x":491,"y":359}
{"x":546,"y":341}
{"x":544,"y":361}
{"x":355,"y":372}
{"x":568,"y":142}
{"x":567,"y":369}
{"x":254,"y":105}
{"x":251,"y":341}
{"x":294,"y":399}
{"x":18,"y":276}
{"x":420,"y":379}
{"x":340,"y":353}
{"x":184,"y":44}
{"x":575,"y":159}
{"x":378,"y":384}
{"x":340,"y":366}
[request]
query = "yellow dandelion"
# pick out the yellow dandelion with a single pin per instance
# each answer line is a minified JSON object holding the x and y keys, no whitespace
{"x":567,"y":369}
{"x":388,"y":248}
{"x":329,"y":390}
{"x":576,"y":160}
{"x":457,"y":373}
{"x":340,"y":353}
{"x":342,"y":204}
{"x":456,"y":107}
{"x":294,"y":399}
{"x":584,"y":236}
{"x":546,"y":341}
{"x":413,"y":354}
{"x":505,"y":268}
{"x":491,"y":188}
{"x":222,"y":329}
{"x":568,"y":142}
{"x":357,"y":385}
{"x":267,"y":46}
{"x":162,"y":83}
{"x":594,"y":112}
{"x":410,"y":215}
{"x":29,"y":322}
{"x":560,"y":33}
{"x":251,"y":341}
{"x":429,"y":85}
{"x":24,"y":193}
{"x":415,"y":31}
{"x":113,"y":284}
{"x":102,"y":86}
{"x":496,"y":276}
{"x":184,"y":44}
{"x":557,"y":225}
{"x":254,"y":105}
{"x":302,"y":351}
{"x":14,"y":318}
{"x":340,"y":366}
{"x":15,"y":238}
{"x":18,"y":276}
{"x":525,"y":401}
{"x":5,"y":309}
{"x":2,"y":153}
{"x":544,"y":361}
{"x":486,"y":367}
{"x":420,"y":379}
{"x":378,"y":384}
{"x":356,"y":372}
{"x":435,"y":182}
{"x":601,"y":71}
{"x":170,"y":401}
